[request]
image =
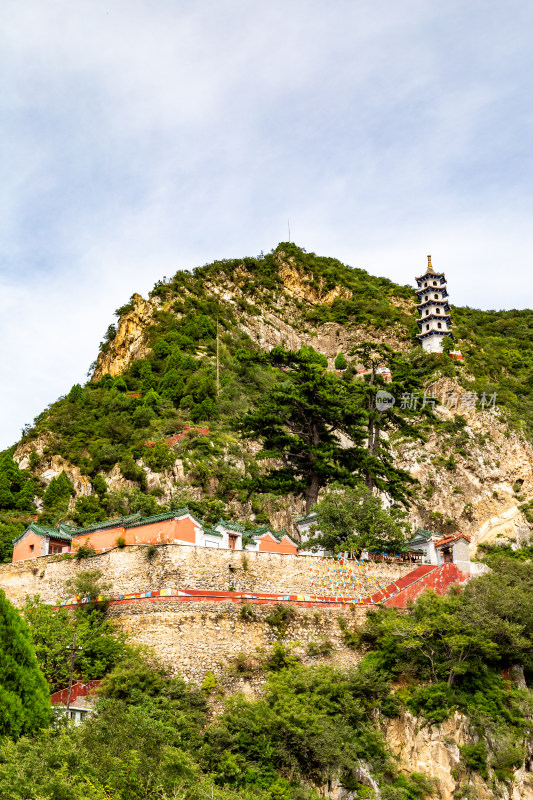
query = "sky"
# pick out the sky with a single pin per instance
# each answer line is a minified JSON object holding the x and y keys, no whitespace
{"x":141,"y":138}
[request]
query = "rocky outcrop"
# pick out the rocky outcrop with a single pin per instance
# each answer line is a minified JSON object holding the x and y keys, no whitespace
{"x":297,"y":284}
{"x":129,"y":342}
{"x":433,"y":751}
{"x":473,"y":478}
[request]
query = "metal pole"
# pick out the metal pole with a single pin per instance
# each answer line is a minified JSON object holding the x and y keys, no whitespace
{"x":72,"y":657}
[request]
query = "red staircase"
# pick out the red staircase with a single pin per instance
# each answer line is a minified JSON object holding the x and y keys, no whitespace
{"x":399,"y":593}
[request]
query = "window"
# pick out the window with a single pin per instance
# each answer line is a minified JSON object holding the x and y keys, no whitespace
{"x":427,"y":327}
{"x":427,"y":312}
{"x":439,"y":325}
{"x":426,"y":283}
{"x":427,"y":297}
{"x":31,"y":548}
{"x":436,"y":297}
{"x":434,"y":283}
{"x":438,"y":310}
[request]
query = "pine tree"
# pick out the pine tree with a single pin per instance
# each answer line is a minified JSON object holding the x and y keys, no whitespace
{"x":299,"y":422}
{"x":24,"y":698}
{"x":58,"y":492}
{"x":7,"y":499}
{"x":340,"y":362}
{"x":76,"y":394}
{"x":172,"y":386}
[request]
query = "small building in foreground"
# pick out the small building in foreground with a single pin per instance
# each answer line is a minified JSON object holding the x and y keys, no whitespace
{"x":454,"y":549}
{"x":305,"y":527}
{"x":438,"y":549}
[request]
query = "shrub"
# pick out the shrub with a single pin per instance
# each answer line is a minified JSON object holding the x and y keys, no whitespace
{"x":84,"y":551}
{"x":150,"y":552}
{"x":280,"y":658}
{"x":350,"y":637}
{"x":120,"y":542}
{"x":247,"y":612}
{"x":322,"y":647}
{"x":210,"y":682}
{"x":35,"y":459}
{"x":340,"y":362}
{"x":434,"y":703}
{"x":159,"y":457}
{"x":474,"y":758}
{"x":280,"y":618}
{"x":133,"y":472}
{"x":89,"y":583}
{"x":244,"y":664}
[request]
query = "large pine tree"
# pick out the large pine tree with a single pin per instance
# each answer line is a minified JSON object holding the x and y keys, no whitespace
{"x":320,"y":426}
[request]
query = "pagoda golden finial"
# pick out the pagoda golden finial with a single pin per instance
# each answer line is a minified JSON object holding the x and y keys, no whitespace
{"x":430,"y":268}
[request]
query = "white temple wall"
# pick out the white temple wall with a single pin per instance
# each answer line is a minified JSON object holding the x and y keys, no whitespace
{"x":433,"y":344}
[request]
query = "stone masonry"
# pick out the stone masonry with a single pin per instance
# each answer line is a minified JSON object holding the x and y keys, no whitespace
{"x":196,"y":637}
{"x":141,"y":569}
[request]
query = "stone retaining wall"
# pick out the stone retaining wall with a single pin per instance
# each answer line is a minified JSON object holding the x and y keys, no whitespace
{"x":131,"y":570}
{"x":196,"y":638}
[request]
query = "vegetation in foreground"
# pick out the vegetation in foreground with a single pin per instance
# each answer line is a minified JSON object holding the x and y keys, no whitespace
{"x":155,"y":736}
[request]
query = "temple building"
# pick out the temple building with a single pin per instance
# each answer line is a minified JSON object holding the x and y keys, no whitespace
{"x":179,"y":527}
{"x":434,"y":322}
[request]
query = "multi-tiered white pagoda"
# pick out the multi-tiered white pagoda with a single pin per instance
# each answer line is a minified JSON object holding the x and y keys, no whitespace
{"x":434,"y":322}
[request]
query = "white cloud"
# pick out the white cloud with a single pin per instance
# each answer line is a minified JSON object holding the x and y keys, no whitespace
{"x":145,"y":138}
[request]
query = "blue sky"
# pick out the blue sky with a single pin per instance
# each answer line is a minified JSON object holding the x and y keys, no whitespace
{"x":141,"y":138}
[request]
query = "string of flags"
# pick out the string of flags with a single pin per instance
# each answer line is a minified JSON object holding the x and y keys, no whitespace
{"x":344,"y":580}
{"x":347,"y":578}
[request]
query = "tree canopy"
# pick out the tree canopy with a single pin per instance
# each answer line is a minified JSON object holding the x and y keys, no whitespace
{"x":317,"y":424}
{"x":300,"y":422}
{"x":24,"y":700}
{"x":353,"y":519}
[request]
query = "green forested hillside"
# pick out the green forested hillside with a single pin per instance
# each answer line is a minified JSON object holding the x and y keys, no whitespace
{"x":173,"y":389}
{"x":498,"y":351}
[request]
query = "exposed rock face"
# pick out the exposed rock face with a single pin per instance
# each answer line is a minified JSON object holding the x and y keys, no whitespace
{"x":129,"y":342}
{"x":475,"y":491}
{"x":297,"y":284}
{"x":480,"y":489}
{"x":434,"y":752}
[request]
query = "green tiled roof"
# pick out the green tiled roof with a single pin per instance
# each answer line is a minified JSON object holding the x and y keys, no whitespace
{"x":231,"y":526}
{"x":66,"y":532}
{"x":133,"y":521}
{"x":307,"y":517}
{"x":45,"y":532}
{"x":154,"y":518}
{"x":108,"y":523}
{"x":211,"y":532}
{"x":421,"y":534}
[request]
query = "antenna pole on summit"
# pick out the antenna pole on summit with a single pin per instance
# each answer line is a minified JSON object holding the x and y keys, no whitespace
{"x":289,"y":227}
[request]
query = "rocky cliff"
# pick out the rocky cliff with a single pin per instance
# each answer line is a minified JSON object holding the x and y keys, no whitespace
{"x":434,"y":751}
{"x":474,"y":468}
